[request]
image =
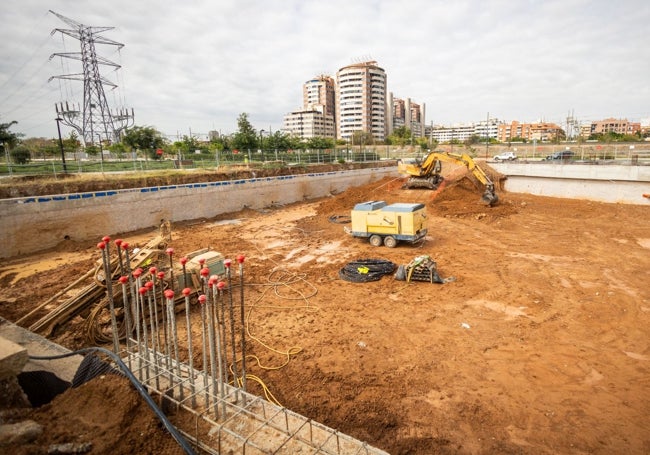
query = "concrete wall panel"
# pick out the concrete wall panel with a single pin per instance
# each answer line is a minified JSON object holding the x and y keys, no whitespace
{"x":38,"y":223}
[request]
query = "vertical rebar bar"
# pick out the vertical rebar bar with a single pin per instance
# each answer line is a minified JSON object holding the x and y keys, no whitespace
{"x":221,"y":317}
{"x":190,"y":355}
{"x":227,"y":263}
{"x":163,"y":312}
{"x":212,"y":343}
{"x":142,"y":291}
{"x":169,"y":294}
{"x":108,"y":280}
{"x":223,"y":376}
{"x":127,"y":318}
{"x":118,"y":243}
{"x":240,"y":260}
{"x":136,"y":317}
{"x":202,"y":299}
{"x":154,"y":334}
{"x":183,"y":261}
{"x":127,"y":269}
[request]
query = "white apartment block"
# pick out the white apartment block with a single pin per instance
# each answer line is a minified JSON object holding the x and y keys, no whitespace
{"x":463,"y":132}
{"x":316,"y":118}
{"x":361,"y":100}
{"x":309,"y":123}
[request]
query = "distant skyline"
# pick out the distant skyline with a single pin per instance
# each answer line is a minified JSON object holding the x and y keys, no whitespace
{"x":196,"y":66}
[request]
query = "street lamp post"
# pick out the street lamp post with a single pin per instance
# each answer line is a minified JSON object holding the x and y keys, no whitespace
{"x":58,"y":127}
{"x":261,"y":143}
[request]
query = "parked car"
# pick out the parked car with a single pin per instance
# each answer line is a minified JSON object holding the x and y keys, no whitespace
{"x":505,"y":156}
{"x":563,"y":155}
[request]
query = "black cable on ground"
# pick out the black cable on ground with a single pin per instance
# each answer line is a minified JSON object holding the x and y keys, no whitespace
{"x":152,"y":404}
{"x":365,"y":270}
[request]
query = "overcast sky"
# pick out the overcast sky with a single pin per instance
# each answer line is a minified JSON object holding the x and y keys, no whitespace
{"x":195,"y":65}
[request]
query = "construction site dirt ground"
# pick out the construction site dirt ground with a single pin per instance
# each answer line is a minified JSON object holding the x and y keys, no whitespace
{"x":540,"y":344}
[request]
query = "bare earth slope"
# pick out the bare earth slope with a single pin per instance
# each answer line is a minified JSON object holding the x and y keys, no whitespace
{"x":540,"y":345}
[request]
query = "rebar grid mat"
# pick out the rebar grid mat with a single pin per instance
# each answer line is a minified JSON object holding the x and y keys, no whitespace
{"x":220,"y":418}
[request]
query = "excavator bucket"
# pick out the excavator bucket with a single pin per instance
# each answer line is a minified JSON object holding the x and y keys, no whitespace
{"x":490,"y":198}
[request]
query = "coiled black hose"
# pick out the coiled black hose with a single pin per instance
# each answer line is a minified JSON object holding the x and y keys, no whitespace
{"x":364,"y":270}
{"x":152,"y":404}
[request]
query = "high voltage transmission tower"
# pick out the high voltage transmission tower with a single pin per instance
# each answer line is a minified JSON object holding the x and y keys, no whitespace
{"x":94,"y":120}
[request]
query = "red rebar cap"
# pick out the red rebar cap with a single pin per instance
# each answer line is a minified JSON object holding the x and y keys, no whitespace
{"x":227,"y":263}
{"x":148,"y":285}
{"x":186,"y":291}
{"x":169,"y":294}
{"x":160,"y":275}
{"x":125,"y":245}
{"x":169,"y":251}
{"x":143,"y":290}
{"x":205,"y":271}
{"x":118,"y":242}
{"x":183,"y":261}
{"x":202,"y":299}
{"x":153,"y":270}
{"x":202,"y":261}
{"x":124,"y":279}
{"x":240,"y":258}
{"x":137,"y":272}
{"x":106,"y":239}
{"x":101,"y":245}
{"x":213,"y":279}
{"x":221,"y":285}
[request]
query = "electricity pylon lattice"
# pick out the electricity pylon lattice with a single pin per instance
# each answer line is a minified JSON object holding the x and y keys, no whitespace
{"x":94,"y":120}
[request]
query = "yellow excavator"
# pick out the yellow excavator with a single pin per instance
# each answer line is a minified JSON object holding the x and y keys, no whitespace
{"x":426,"y":173}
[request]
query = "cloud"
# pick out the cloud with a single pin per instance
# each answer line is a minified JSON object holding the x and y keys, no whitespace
{"x":198,"y":64}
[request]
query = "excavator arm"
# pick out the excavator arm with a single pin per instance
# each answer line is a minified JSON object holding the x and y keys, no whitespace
{"x":427,"y":173}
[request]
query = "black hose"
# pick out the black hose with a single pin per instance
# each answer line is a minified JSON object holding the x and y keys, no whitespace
{"x":152,"y":404}
{"x":365,"y":270}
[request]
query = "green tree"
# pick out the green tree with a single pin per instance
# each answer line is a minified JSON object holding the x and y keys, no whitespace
{"x":118,"y":149}
{"x":6,"y":136}
{"x":20,"y":154}
{"x":278,"y":141}
{"x":246,"y":137}
{"x":320,"y":143}
{"x":41,"y":147}
{"x":92,"y":150}
{"x":144,"y":138}
{"x":362,"y":138}
{"x":71,"y":143}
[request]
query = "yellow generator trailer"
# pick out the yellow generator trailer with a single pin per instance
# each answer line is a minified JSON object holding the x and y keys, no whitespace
{"x":388,"y":224}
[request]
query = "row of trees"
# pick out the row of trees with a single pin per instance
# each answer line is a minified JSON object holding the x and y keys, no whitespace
{"x":147,"y":141}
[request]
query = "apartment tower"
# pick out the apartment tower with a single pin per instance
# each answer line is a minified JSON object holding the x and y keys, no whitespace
{"x":361,"y":100}
{"x":316,"y":118}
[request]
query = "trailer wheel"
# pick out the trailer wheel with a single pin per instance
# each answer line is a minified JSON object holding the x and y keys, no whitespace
{"x":375,"y":240}
{"x":390,"y":241}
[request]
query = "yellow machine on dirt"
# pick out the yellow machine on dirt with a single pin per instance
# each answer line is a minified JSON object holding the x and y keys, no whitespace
{"x":426,"y":174}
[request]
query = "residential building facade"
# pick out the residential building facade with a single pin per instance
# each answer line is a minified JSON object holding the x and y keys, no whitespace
{"x":309,"y":123}
{"x":361,"y":100}
{"x":612,"y":125}
{"x":540,"y":131}
{"x":405,"y":113}
{"x":317,"y":116}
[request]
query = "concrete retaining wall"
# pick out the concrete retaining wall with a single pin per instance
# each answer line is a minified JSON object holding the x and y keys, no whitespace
{"x":38,"y":223}
{"x":602,"y":183}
